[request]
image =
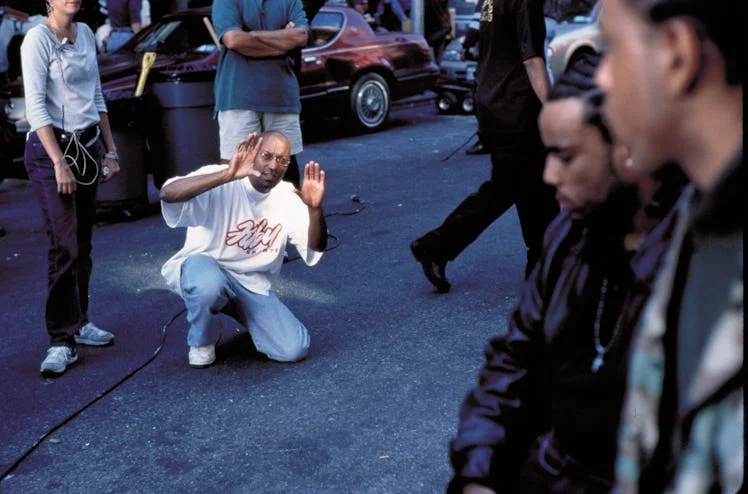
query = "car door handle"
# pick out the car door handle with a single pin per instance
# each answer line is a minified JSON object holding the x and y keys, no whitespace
{"x":310,"y":59}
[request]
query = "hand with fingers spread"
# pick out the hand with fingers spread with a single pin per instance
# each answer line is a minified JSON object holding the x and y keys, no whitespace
{"x":240,"y":166}
{"x":312,"y":193}
{"x":313,"y":187}
{"x":242,"y":163}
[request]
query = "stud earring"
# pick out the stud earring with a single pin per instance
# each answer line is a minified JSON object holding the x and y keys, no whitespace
{"x":629,"y":163}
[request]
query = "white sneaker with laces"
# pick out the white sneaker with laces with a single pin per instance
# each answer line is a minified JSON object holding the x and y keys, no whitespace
{"x":202,"y":356}
{"x":91,"y":335}
{"x":57,"y":359}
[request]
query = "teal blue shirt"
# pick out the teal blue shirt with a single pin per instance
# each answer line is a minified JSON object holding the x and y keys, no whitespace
{"x":265,"y":84}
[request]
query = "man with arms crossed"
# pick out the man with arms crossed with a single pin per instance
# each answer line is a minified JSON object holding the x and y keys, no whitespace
{"x":255,"y":88}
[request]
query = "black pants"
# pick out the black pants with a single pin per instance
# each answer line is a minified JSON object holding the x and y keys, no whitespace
{"x":516,"y":180}
{"x":68,"y":220}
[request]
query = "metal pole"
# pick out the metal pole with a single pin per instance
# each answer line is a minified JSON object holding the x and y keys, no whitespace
{"x":417,"y":15}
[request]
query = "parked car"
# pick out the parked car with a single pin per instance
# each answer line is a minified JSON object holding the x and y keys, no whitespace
{"x":347,"y":70}
{"x":454,"y":88}
{"x":572,"y":39}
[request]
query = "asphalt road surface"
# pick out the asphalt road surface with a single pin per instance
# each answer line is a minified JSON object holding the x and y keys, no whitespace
{"x":372,"y":408}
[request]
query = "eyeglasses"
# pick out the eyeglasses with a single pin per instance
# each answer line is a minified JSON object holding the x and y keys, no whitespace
{"x":267,"y":156}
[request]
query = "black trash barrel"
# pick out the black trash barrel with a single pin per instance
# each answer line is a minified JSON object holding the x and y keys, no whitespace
{"x":186,"y":135}
{"x":127,"y":114}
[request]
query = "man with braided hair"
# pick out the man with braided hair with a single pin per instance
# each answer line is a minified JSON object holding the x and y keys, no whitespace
{"x":544,"y":415}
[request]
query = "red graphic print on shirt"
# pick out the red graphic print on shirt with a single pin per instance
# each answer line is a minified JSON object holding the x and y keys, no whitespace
{"x":254,"y":237}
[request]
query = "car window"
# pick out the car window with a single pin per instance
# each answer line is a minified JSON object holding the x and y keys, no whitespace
{"x":325,"y":26}
{"x":179,"y":36}
{"x":463,"y":7}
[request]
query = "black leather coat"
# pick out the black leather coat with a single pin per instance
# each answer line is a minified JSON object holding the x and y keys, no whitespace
{"x":517,"y":396}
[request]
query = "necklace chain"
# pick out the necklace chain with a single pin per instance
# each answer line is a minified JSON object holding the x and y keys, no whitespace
{"x":58,"y":32}
{"x":599,"y":348}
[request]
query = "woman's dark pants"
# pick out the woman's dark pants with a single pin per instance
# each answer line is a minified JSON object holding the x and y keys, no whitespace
{"x":68,"y":220}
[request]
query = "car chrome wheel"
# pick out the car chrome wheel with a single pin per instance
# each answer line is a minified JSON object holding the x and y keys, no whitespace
{"x":371,"y":101}
{"x":468,"y":105}
{"x":445,"y":103}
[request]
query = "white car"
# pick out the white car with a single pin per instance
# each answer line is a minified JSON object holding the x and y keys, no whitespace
{"x":573,"y":39}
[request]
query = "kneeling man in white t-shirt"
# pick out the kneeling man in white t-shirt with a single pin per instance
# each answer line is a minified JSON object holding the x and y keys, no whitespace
{"x":239,"y":218}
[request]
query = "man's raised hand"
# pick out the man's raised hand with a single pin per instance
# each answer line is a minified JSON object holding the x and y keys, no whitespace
{"x":242,"y":163}
{"x":313,"y":186}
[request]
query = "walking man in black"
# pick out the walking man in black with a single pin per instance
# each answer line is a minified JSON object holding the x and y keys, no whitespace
{"x":512,"y":85}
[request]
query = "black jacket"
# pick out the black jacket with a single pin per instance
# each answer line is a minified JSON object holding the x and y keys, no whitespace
{"x":516,"y":399}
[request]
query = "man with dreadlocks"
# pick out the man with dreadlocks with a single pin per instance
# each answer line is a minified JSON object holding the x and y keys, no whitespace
{"x":544,"y":415}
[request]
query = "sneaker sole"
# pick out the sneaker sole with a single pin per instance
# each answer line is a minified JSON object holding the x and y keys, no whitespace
{"x":201,"y":366}
{"x":54,"y":372}
{"x":83,"y":341}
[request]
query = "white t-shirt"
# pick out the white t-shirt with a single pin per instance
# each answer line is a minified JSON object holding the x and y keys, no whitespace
{"x":245,"y":230}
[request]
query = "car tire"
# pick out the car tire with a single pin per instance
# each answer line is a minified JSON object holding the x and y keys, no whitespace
{"x":467,"y":105}
{"x":370,"y":102}
{"x":445,"y":102}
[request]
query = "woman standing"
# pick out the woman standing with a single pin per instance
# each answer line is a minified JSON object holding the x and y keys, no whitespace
{"x":65,"y":158}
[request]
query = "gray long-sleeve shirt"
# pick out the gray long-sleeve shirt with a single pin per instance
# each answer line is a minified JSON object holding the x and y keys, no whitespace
{"x":61,"y":80}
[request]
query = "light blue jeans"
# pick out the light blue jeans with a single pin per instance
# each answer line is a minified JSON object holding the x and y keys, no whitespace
{"x":208,"y":290}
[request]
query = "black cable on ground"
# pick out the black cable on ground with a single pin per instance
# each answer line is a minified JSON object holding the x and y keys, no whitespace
{"x":90,"y":403}
{"x":328,"y":249}
{"x":354,"y":198}
{"x":460,"y":146}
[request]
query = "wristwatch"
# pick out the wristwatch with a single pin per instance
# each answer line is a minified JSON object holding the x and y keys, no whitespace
{"x":112,"y":155}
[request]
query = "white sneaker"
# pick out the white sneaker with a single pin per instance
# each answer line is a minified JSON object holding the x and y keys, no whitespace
{"x":57,"y":359}
{"x":202,"y":356}
{"x":91,"y":335}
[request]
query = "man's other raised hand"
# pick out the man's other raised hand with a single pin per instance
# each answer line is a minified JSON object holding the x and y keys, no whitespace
{"x":313,"y":186}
